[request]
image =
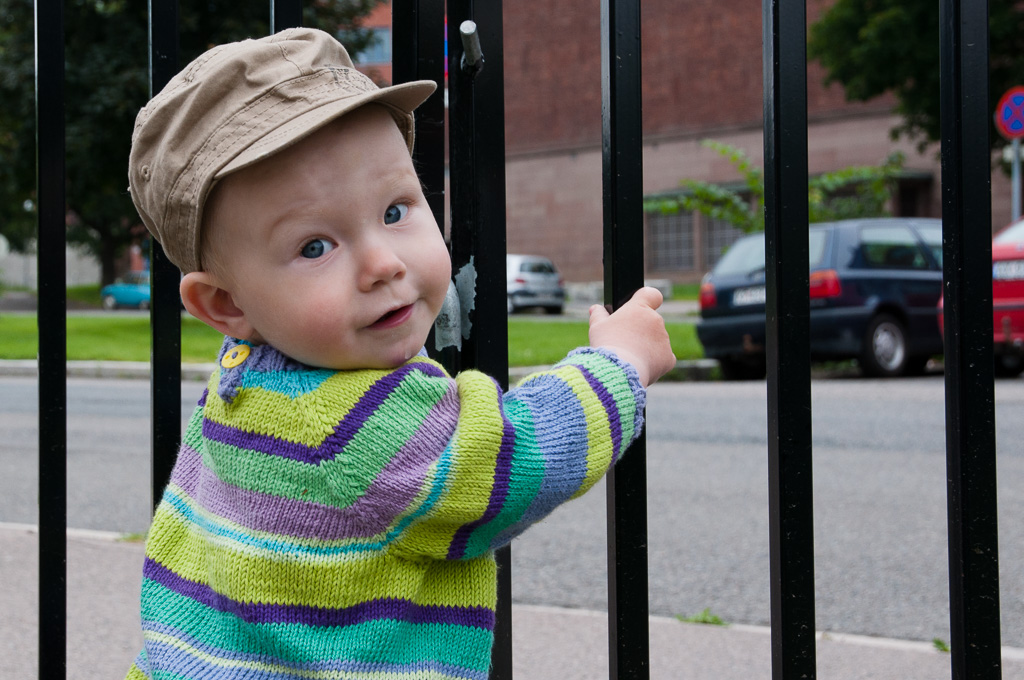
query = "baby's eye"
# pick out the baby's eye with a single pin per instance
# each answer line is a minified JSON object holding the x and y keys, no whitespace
{"x":317,"y":248}
{"x":395,"y":213}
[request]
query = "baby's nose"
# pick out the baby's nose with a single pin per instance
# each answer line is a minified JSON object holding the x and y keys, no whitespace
{"x":380,"y":263}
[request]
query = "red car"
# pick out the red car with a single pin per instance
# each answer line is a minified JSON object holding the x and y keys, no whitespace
{"x":1007,"y":300}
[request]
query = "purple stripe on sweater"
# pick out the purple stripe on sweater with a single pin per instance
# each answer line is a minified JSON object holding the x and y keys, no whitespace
{"x":343,"y":431}
{"x":389,"y":494}
{"x":610,"y":407}
{"x":499,"y":491}
{"x":402,"y":479}
{"x":263,"y":613}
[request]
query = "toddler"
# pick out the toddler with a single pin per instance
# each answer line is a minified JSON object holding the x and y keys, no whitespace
{"x":337,"y":499}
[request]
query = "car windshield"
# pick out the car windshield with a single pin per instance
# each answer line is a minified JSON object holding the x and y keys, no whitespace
{"x":932,"y":237}
{"x":1011,"y":234}
{"x":140,"y":278}
{"x":537,"y":267}
{"x":816,"y":248}
{"x":746,"y":256}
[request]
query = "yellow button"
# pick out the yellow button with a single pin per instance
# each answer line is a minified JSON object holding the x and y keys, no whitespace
{"x":235,"y":356}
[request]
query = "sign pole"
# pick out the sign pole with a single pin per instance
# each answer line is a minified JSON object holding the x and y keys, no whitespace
{"x":1015,"y":179}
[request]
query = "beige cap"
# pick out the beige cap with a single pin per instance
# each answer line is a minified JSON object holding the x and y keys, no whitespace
{"x":234,"y":106}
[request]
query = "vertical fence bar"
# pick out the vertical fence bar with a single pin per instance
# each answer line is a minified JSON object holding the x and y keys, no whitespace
{"x":285,"y":14}
{"x":52,"y":325}
{"x":417,"y":39}
{"x":622,"y":153}
{"x":476,"y":114}
{"x":165,"y":314}
{"x":417,"y":31}
{"x":970,"y":400}
{"x":790,"y":496}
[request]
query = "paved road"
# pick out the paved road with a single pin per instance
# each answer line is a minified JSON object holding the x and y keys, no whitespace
{"x":880,"y":509}
{"x":879,"y":485}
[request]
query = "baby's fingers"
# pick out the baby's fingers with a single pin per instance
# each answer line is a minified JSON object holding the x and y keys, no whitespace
{"x":648,"y":296}
{"x":597,"y":313}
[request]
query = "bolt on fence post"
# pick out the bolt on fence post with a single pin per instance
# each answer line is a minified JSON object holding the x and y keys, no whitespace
{"x":52,"y":322}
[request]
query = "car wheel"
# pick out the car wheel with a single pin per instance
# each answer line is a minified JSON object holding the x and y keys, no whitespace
{"x":109,"y":302}
{"x":557,"y":309}
{"x":1009,"y":365}
{"x":144,"y":304}
{"x":511,"y":307}
{"x":884,"y":353}
{"x":749,"y":368}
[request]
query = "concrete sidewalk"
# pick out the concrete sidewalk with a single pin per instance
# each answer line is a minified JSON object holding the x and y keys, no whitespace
{"x":104,"y":574}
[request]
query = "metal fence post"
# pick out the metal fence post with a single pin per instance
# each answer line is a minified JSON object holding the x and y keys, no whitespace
{"x":165,"y":314}
{"x":790,"y":494}
{"x":476,"y":115}
{"x":285,"y":14}
{"x":418,"y":54}
{"x":970,"y":399}
{"x":52,"y":323}
{"x":622,"y":147}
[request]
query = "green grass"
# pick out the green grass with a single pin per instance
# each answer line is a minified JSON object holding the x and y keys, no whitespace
{"x":685,"y":291}
{"x":126,"y":338}
{"x":705,"y":617}
{"x":538,"y":343}
{"x":89,"y":295}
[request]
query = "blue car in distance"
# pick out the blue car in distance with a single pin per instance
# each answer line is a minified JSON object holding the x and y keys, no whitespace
{"x":874,"y":287}
{"x":131,"y":290}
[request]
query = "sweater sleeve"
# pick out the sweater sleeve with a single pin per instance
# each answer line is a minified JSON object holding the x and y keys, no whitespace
{"x":514,"y":457}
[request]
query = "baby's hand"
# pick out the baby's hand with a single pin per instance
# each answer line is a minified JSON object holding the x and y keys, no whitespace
{"x":636,"y":333}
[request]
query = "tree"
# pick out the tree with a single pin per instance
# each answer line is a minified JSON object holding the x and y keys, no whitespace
{"x":857,"y":191}
{"x":871,"y":47}
{"x":106,"y":83}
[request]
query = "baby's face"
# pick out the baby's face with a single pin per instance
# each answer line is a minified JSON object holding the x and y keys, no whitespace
{"x":331,"y":250}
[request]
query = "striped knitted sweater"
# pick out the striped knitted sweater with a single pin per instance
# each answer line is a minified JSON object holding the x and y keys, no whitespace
{"x":325,"y":524}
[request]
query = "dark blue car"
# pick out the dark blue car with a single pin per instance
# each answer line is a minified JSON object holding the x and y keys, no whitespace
{"x":874,"y":287}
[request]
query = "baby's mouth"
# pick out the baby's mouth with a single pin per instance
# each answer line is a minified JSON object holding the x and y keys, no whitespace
{"x":393,"y":318}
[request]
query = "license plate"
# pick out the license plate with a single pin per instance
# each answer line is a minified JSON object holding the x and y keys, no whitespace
{"x":1008,"y":270}
{"x":748,"y":296}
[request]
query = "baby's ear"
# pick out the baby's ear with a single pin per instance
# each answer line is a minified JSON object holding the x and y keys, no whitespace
{"x":206,"y":300}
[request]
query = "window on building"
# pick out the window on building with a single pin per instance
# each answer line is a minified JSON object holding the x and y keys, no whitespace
{"x":671,"y":242}
{"x":378,"y":51}
{"x":718,"y":236}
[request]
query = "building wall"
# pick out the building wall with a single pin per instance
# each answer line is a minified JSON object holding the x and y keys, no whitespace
{"x":702,"y":79}
{"x":701,"y":63}
{"x":554,"y":199}
{"x":20,"y":270}
{"x":702,"y":74}
{"x":379,"y":67}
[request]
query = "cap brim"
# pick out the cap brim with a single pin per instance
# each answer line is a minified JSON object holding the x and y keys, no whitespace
{"x":404,"y":98}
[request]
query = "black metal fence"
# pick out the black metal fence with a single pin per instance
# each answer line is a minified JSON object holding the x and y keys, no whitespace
{"x":476,"y":153}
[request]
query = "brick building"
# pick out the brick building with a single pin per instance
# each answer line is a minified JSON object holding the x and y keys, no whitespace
{"x":702,"y":78}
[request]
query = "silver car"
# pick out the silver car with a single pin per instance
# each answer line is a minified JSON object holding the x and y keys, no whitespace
{"x":534,"y":282}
